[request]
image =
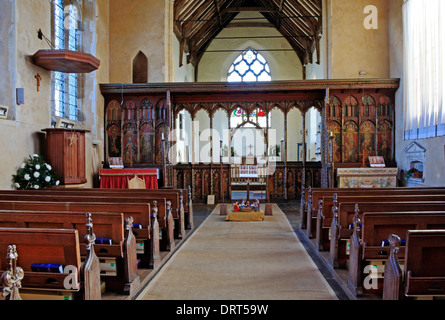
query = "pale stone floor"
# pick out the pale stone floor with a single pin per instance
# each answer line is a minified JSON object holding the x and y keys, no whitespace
{"x":291,"y":210}
{"x":223,"y":254}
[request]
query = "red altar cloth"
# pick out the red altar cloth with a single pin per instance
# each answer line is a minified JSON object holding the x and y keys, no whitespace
{"x":118,"y":178}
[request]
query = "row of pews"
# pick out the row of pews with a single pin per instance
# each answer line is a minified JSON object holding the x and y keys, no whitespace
{"x":84,"y":243}
{"x":388,"y":243}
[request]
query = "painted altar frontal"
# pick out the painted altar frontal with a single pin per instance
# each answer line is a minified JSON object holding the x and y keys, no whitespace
{"x":367,"y":177}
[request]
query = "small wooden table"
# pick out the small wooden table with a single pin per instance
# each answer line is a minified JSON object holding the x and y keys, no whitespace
{"x":245,"y":216}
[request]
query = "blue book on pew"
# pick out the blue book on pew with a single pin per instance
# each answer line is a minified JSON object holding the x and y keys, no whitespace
{"x":47,"y":267}
{"x":385,"y":243}
{"x":103,"y":241}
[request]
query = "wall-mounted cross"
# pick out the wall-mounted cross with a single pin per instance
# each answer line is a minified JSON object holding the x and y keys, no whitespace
{"x":38,"y":78}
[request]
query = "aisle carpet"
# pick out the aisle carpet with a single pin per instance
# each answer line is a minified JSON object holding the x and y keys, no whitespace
{"x":225,"y":260}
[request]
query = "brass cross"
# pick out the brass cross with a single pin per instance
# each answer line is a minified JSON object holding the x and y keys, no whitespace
{"x":364,"y":154}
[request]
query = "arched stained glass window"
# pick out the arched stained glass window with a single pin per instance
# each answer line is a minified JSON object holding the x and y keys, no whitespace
{"x":249,"y":66}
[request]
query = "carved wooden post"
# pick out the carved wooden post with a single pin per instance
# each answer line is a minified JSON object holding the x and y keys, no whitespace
{"x":307,"y":209}
{"x":303,"y":213}
{"x":130,"y":258}
{"x":154,"y":237}
{"x":13,"y":276}
{"x":321,"y":235}
{"x":285,"y":156}
{"x":333,"y":247}
{"x":190,"y":224}
{"x":91,"y":270}
{"x":392,"y":284}
{"x":355,"y":256}
{"x":170,"y":231}
{"x":181,"y":213}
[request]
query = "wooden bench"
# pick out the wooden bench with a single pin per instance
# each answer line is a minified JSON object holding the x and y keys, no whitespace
{"x":316,"y":195}
{"x":367,"y":239}
{"x":50,"y":246}
{"x":341,"y":227}
{"x":330,"y":204}
{"x":164,"y":217}
{"x":423,"y":274}
{"x":121,"y":248}
{"x":180,"y":209}
{"x":145,"y":229}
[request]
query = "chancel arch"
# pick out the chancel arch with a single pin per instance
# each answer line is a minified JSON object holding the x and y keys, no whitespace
{"x":221,"y":134}
{"x":202,"y":136}
{"x":313,"y":134}
{"x":183,"y":136}
{"x":294,"y":134}
{"x":276,"y":132}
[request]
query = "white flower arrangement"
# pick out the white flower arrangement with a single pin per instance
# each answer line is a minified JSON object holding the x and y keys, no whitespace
{"x":35,"y":173}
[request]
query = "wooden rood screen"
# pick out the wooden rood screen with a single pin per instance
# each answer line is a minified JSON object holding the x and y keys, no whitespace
{"x":359,"y":113}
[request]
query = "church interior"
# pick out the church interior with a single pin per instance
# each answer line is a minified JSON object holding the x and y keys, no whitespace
{"x":154,"y":122}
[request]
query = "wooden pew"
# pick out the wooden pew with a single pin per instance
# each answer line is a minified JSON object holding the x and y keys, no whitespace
{"x":165,"y":217}
{"x":107,"y":226}
{"x":147,"y":234}
{"x":316,"y":196}
{"x":366,"y":242}
{"x":176,"y":196}
{"x":341,"y":227}
{"x":423,"y":274}
{"x":330,"y":204}
{"x":52,"y":246}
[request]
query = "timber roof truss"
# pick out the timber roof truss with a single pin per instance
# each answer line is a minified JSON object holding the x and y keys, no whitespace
{"x":198,"y":22}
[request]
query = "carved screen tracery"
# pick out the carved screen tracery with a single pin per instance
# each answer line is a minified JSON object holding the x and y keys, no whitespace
{"x":113,"y":129}
{"x":146,"y":131}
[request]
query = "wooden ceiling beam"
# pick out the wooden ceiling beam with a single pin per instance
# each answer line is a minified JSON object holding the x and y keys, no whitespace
{"x":251,"y":25}
{"x":250,"y":9}
{"x":198,"y":22}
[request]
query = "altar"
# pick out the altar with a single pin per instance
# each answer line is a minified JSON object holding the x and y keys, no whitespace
{"x":118,"y":178}
{"x":367,"y":177}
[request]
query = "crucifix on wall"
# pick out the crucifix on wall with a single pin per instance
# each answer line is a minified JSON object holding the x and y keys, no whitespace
{"x":38,"y":78}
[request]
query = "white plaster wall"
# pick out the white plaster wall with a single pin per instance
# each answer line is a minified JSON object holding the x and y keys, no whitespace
{"x":294,"y":136}
{"x":184,"y":73}
{"x":137,"y":25}
{"x":22,"y":135}
{"x":434,"y":166}
{"x":284,"y":65}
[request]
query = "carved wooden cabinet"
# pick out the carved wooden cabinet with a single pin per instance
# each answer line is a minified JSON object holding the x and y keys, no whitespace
{"x":65,"y":152}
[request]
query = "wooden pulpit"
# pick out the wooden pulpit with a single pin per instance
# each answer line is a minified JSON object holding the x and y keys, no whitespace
{"x":65,"y":152}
